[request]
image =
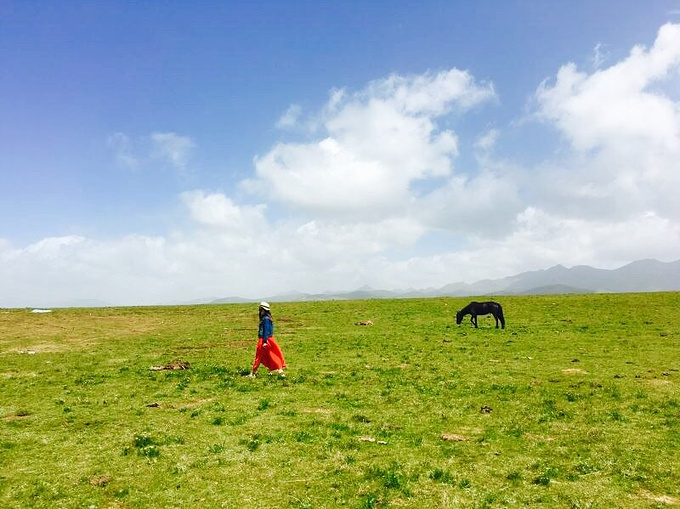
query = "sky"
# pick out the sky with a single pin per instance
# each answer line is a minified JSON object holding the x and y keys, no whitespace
{"x":167,"y":152}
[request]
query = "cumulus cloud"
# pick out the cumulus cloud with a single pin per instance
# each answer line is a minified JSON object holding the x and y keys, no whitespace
{"x":623,"y":131}
{"x":217,"y":210}
{"x":617,"y":104}
{"x":486,"y":204}
{"x":59,"y":270}
{"x":375,"y":143}
{"x":539,"y":241}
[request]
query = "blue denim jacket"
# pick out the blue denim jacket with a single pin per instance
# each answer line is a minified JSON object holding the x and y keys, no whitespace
{"x":266,"y":329}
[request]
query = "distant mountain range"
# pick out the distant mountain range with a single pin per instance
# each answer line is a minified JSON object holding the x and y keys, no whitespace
{"x":639,"y":276}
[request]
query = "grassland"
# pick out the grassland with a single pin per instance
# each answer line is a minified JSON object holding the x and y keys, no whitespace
{"x":575,"y":404}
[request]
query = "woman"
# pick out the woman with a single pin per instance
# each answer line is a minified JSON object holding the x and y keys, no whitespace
{"x":268,"y":351}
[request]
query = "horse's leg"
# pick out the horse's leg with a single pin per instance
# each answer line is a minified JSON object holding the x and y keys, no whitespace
{"x":474,"y":321}
{"x":496,"y":317}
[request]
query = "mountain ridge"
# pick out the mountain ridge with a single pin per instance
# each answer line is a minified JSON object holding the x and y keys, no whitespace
{"x":646,"y":275}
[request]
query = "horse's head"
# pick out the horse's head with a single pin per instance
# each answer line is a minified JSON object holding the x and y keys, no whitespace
{"x":459,"y":317}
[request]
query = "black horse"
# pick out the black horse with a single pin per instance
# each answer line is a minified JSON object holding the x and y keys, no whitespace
{"x":481,"y":308}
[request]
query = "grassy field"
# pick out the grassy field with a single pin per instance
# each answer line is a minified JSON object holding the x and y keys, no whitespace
{"x":575,"y":404}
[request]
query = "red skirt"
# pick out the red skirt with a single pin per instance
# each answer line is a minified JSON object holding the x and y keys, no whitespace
{"x":270,"y":355}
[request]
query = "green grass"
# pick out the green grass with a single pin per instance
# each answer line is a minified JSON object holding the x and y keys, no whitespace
{"x":575,"y":404}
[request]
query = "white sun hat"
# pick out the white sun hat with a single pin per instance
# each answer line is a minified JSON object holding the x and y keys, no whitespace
{"x":264,"y":305}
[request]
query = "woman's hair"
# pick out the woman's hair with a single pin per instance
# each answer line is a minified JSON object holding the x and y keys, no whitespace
{"x":264,"y":312}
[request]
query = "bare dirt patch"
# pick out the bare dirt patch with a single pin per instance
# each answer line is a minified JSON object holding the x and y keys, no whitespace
{"x":372,"y":440}
{"x":453,"y":437}
{"x":15,"y":417}
{"x":574,"y":371}
{"x":18,"y":374}
{"x":197,"y":403}
{"x":659,"y":382}
{"x":662,"y":499}
{"x":532,"y":437}
{"x":100,"y":480}
{"x":320,"y":411}
{"x":172,"y":366}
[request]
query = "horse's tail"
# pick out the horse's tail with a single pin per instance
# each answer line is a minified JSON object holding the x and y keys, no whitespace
{"x":500,"y":316}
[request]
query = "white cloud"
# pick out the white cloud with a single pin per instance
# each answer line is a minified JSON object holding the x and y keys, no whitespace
{"x":599,"y":56}
{"x":429,"y":93}
{"x":120,"y":144}
{"x":541,"y":241}
{"x":487,"y":141}
{"x":217,"y":210}
{"x":58,"y":270}
{"x":375,"y":144}
{"x":290,"y":117}
{"x":485,"y":204}
{"x":624,"y":132}
{"x":172,"y":148}
{"x":616,"y":105}
{"x":167,"y":147}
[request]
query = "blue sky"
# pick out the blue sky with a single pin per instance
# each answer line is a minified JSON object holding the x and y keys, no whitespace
{"x":161,"y":152}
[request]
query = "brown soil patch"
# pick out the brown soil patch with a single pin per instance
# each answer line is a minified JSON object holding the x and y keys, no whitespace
{"x":15,"y":417}
{"x":322,"y":411}
{"x":172,"y":366}
{"x":18,"y":374}
{"x":197,"y":403}
{"x":574,"y":371}
{"x":538,"y":439}
{"x":663,"y":499}
{"x":660,"y":384}
{"x":372,"y":440}
{"x":100,"y":480}
{"x":452,"y":437}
